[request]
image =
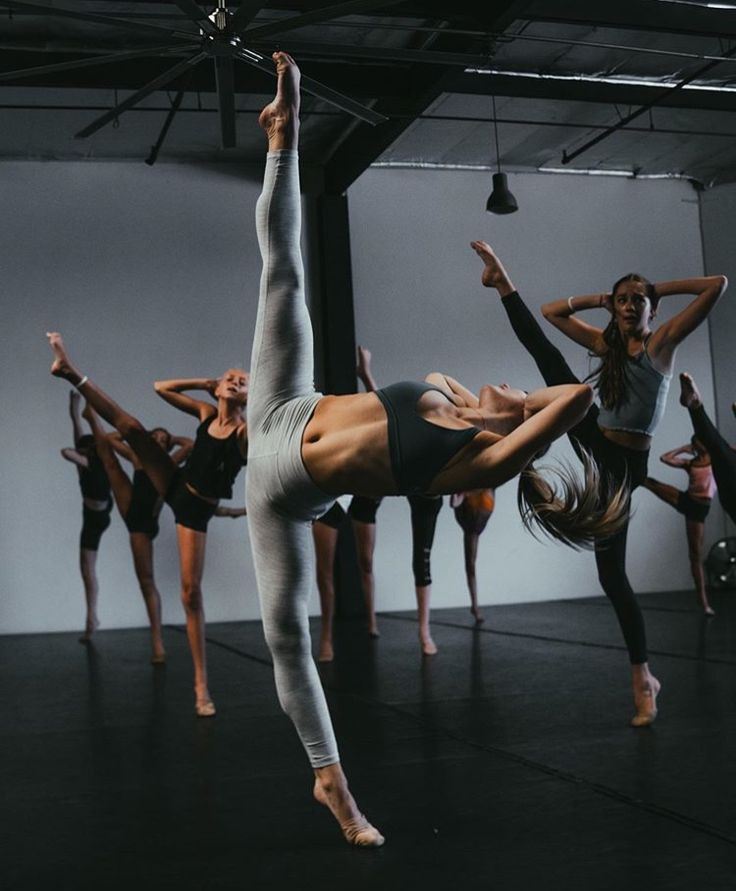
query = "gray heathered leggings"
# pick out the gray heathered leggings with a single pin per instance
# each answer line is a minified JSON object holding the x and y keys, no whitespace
{"x":282,"y":500}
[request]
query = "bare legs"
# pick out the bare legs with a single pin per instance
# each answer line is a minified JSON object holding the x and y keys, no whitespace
{"x":88,"y":569}
{"x":325,"y":543}
{"x":470,"y":545}
{"x":140,"y":544}
{"x":191,"y":561}
{"x":695,"y":534}
{"x":365,"y":546}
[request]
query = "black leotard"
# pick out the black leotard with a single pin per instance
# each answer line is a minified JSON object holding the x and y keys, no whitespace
{"x":213,"y":463}
{"x":93,"y":480}
{"x":419,"y":449}
{"x":142,"y":515}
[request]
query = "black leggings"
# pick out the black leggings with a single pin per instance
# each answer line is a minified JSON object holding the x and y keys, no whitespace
{"x":617,"y":461}
{"x":722,"y":456}
{"x":424,"y":511}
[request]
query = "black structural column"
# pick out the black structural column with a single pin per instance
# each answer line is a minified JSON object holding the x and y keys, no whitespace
{"x":329,"y":272}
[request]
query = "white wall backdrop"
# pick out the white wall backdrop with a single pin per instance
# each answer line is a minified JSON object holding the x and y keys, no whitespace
{"x":420,"y":307}
{"x":149,"y":273}
{"x":153,"y":273}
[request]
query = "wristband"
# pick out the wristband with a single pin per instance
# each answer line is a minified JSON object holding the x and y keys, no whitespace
{"x":82,"y":382}
{"x":570,"y":306}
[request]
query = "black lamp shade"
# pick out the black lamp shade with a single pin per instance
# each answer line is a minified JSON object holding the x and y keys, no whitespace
{"x":501,"y":200}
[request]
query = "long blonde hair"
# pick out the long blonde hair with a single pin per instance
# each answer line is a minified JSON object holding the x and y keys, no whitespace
{"x":578,"y":512}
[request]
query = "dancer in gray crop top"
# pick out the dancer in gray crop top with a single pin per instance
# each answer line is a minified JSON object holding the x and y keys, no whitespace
{"x":304,"y":449}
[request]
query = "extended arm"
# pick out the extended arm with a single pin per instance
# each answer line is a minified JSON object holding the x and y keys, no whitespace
{"x":173,"y":392}
{"x":670,"y":334}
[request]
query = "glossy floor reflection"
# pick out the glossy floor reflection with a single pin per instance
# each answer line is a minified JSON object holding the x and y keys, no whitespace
{"x":505,"y":762}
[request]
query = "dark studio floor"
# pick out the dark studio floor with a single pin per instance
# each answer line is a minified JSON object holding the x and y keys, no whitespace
{"x":505,"y":762}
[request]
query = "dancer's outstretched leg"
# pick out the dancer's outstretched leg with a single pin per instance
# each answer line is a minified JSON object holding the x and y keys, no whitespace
{"x":281,"y":499}
{"x":156,"y":462}
{"x":722,"y":456}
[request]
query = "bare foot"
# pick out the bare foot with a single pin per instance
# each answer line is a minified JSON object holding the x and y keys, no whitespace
{"x":493,"y":275}
{"x":280,"y":118}
{"x":331,"y":790}
{"x":689,"y":393}
{"x":90,"y":627}
{"x":708,"y":610}
{"x":158,"y":656}
{"x":429,"y":647}
{"x":645,"y":700}
{"x":203,"y":704}
{"x":61,"y":366}
{"x":373,"y":631}
{"x":477,"y":615}
{"x":326,"y":653}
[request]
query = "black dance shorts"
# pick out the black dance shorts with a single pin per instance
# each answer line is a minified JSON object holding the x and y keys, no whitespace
{"x":691,"y":508}
{"x":94,"y":523}
{"x":363,"y":510}
{"x":189,"y":510}
{"x":137,"y":520}
{"x":333,"y":518}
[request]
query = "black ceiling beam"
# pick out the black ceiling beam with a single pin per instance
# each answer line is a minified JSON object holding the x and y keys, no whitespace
{"x":422,"y":84}
{"x":672,"y":18}
{"x":586,"y":91}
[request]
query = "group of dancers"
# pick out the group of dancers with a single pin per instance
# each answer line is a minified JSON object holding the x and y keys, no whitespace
{"x":418,"y":440}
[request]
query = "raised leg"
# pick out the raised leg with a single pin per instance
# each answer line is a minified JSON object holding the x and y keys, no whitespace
{"x":722,"y":456}
{"x":191,"y":560}
{"x":155,"y":461}
{"x":668,"y":494}
{"x":142,"y":548}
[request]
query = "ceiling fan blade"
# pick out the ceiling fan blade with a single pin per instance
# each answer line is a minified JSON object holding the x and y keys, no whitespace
{"x":247,"y":11}
{"x":155,"y":149}
{"x":225,"y":77}
{"x":156,"y":84}
{"x":20,"y":73}
{"x":60,"y":12}
{"x":300,"y":48}
{"x":315,"y":88}
{"x":353,"y":7}
{"x":195,"y":12}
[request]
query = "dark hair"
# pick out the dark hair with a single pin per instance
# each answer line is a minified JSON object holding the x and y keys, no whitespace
{"x":610,"y":376}
{"x":580,"y":512}
{"x":165,"y":432}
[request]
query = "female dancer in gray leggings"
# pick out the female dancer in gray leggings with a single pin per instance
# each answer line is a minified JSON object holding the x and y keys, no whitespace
{"x":305,"y":449}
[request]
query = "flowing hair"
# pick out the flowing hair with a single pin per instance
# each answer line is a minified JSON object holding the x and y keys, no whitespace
{"x":610,"y":375}
{"x":565,"y":508}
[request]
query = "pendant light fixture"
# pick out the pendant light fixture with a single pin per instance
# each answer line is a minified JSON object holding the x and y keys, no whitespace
{"x":500,"y":200}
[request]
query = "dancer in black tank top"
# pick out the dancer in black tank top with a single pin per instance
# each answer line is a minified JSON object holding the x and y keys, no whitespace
{"x":192,"y":508}
{"x":96,"y":507}
{"x":139,"y":505}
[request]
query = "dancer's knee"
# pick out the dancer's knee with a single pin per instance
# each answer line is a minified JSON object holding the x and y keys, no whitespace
{"x":191,"y":597}
{"x":129,"y":426}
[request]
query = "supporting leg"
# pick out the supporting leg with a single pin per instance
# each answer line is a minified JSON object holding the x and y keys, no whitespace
{"x":470,"y":546}
{"x":88,"y":568}
{"x":191,"y":559}
{"x":695,"y":534}
{"x":325,"y":544}
{"x":424,"y":511}
{"x":365,"y":545}
{"x":142,"y":548}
